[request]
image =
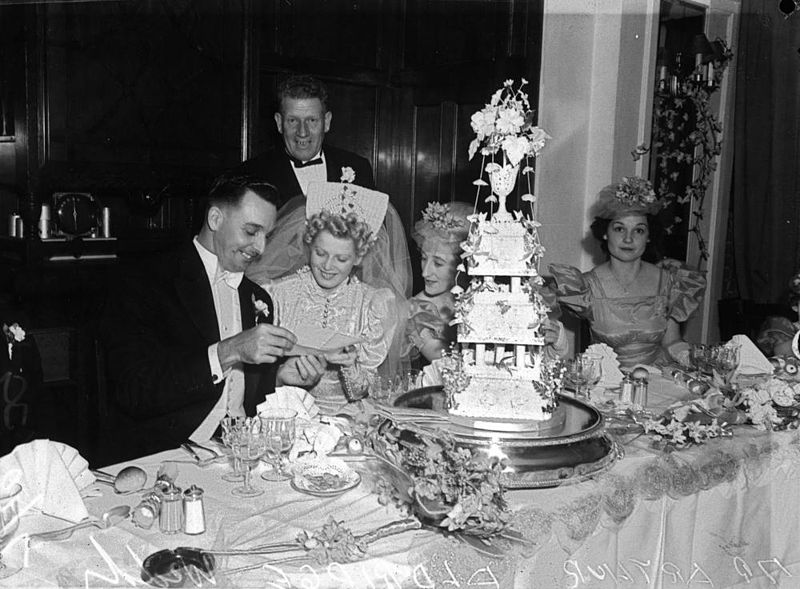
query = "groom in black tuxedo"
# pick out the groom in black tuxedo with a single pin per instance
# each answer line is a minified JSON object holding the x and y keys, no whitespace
{"x":303,"y":118}
{"x":189,"y":339}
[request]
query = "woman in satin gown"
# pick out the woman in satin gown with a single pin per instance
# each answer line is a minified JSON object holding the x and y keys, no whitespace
{"x":343,"y":272}
{"x":438,"y":235}
{"x":632,"y":305}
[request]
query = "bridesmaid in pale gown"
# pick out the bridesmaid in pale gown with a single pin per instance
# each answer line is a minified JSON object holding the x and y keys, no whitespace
{"x":634,"y":306}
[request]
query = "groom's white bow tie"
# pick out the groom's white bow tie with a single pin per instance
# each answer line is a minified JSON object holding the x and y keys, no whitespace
{"x":232,"y":279}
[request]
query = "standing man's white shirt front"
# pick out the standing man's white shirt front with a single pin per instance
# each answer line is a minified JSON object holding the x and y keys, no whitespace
{"x":224,"y":289}
{"x":308,"y":174}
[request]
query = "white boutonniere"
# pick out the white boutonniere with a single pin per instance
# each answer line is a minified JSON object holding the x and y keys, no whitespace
{"x":261,"y":308}
{"x":348,"y":174}
{"x":14,"y":334}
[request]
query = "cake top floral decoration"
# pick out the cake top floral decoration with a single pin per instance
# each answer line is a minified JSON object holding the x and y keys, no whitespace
{"x":632,"y":195}
{"x":507,"y":123}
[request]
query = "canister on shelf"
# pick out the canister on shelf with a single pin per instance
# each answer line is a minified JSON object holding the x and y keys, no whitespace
{"x":12,"y":224}
{"x":170,"y":520}
{"x":44,"y":222}
{"x":194,"y":518}
{"x":105,"y":227}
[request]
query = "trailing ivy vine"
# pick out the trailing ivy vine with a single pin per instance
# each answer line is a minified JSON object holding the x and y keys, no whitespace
{"x":686,"y":144}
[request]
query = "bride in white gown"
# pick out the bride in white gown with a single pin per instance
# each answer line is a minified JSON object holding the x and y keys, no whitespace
{"x":340,"y":264}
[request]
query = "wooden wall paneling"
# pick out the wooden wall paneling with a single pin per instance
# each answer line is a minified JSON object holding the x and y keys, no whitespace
{"x":394,"y":167}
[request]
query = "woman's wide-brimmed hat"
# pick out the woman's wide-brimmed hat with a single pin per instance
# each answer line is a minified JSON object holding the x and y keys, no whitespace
{"x":632,"y":196}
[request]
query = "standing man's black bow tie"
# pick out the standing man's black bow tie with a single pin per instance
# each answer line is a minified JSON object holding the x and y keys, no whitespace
{"x":317,"y":161}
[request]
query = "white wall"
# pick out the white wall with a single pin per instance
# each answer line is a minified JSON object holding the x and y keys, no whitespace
{"x":595,"y":100}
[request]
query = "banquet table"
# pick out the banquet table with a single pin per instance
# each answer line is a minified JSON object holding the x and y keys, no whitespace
{"x":722,"y":514}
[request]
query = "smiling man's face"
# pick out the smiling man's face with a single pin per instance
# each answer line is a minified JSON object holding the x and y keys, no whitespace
{"x":240,"y":231}
{"x":302,"y":122}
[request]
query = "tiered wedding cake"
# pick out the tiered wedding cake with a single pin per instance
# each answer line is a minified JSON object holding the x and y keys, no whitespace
{"x":499,"y":372}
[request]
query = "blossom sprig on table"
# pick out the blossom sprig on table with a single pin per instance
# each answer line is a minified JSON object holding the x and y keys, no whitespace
{"x":332,"y":543}
{"x":458,"y":488}
{"x":769,"y":404}
{"x":677,"y":433}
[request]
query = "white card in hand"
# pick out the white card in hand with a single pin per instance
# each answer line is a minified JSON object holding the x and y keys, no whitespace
{"x":313,"y":340}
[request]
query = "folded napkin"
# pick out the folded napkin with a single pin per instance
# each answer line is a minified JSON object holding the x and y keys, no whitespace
{"x":291,"y":398}
{"x":431,"y":376}
{"x":751,"y":360}
{"x":612,"y":375}
{"x":317,"y":439}
{"x":52,"y":475}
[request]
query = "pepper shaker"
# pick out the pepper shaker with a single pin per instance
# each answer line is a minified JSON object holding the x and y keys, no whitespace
{"x":170,"y":520}
{"x":640,"y":392}
{"x":626,"y":389}
{"x":194,"y":519}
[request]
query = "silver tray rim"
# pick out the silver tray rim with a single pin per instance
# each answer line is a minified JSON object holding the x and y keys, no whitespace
{"x":485,"y":437}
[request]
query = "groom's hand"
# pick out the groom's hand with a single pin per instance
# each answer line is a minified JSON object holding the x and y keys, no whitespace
{"x":262,"y":344}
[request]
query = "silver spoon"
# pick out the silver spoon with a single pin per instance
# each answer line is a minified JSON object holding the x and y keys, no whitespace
{"x":130,"y":479}
{"x":110,"y":518}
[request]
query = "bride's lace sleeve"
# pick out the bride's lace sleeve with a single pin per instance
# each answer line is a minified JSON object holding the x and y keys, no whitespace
{"x":379,"y":316}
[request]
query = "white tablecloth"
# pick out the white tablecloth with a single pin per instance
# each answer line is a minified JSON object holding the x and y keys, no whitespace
{"x":742,"y":532}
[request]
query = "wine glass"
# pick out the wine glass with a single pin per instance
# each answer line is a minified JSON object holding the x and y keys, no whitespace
{"x":574,"y":374}
{"x":9,"y":522}
{"x":278,"y":425}
{"x":592,"y":369}
{"x":251,"y":446}
{"x":725,"y":360}
{"x":231,"y":426}
{"x":698,"y":357}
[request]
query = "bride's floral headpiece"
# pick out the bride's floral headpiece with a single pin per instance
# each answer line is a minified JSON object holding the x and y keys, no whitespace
{"x":632,"y":196}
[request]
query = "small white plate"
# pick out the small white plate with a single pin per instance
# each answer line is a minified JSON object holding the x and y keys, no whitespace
{"x":327,"y":478}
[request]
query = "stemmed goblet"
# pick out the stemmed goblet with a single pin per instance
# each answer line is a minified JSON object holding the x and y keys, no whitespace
{"x":278,"y":425}
{"x":584,"y":370}
{"x":592,"y":367}
{"x":251,"y":446}
{"x":231,"y":426}
{"x":724,"y":361}
{"x":9,"y":522}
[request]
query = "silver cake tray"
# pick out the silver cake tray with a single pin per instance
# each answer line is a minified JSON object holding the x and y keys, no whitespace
{"x":568,"y":448}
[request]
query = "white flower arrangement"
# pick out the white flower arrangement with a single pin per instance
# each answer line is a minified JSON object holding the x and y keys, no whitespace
{"x":506,"y":124}
{"x":348,"y":175}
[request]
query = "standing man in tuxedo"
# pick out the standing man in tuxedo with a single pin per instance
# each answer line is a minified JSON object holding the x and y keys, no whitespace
{"x":189,"y":339}
{"x":303,"y":118}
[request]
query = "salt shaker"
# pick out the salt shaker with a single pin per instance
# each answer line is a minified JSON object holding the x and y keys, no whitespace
{"x":194,"y":518}
{"x":626,"y":390}
{"x":170,"y":520}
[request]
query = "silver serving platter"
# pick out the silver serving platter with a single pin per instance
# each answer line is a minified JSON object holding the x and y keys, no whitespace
{"x":569,"y":448}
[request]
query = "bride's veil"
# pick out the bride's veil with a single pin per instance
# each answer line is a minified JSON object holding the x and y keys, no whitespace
{"x":386,"y":265}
